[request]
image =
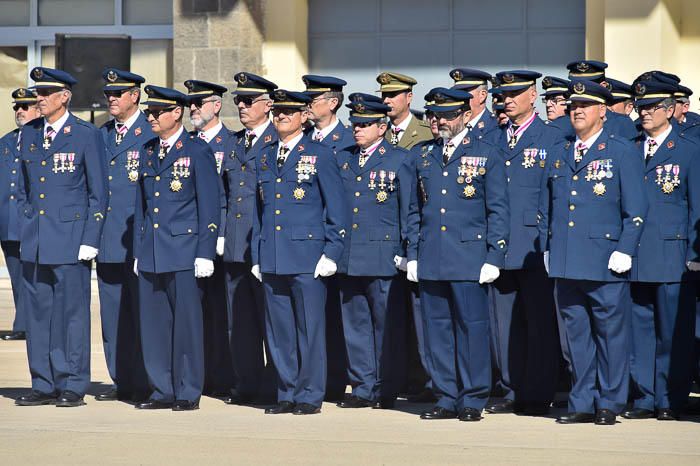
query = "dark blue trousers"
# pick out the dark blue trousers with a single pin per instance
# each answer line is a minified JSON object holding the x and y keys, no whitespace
{"x":373,"y":308}
{"x":218,"y":369}
{"x":456,"y":317}
{"x":596,"y":318}
{"x":170,"y":312}
{"x":418,"y":370}
{"x":526,"y":335}
{"x":663,"y":332}
{"x":57,"y":299}
{"x":121,"y":337}
{"x":337,"y":362}
{"x":295,"y":320}
{"x":14,"y":267}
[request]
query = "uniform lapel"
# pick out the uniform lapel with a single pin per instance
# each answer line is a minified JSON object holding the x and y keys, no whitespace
{"x":63,"y":136}
{"x":293,"y":157}
{"x":376,"y":157}
{"x":663,"y":152}
{"x":600,"y":146}
{"x":174,"y":153}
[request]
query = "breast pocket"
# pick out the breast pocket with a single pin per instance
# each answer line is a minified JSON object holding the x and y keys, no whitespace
{"x":72,"y":213}
{"x":308,"y":233}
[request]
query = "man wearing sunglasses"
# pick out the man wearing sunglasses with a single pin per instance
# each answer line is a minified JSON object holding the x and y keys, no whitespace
{"x":204,"y":100}
{"x":62,"y":203}
{"x":253,"y":380}
{"x":123,"y":137}
{"x":26,"y":110}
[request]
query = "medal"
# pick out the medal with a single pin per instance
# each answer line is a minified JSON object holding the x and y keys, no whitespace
{"x":667,"y":187}
{"x":382,"y":196}
{"x":460,"y":179}
{"x":599,"y":189}
{"x":299,"y":193}
{"x":133,"y":176}
{"x":469,"y":190}
{"x":175,"y":185}
{"x":482,"y":171}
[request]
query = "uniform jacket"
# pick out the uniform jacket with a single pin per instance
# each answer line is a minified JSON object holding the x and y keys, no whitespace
{"x":177,"y":206}
{"x":563,"y":124}
{"x":620,"y":125}
{"x":454,"y":226}
{"x":338,"y":139}
{"x":123,"y":164}
{"x":585,"y":218}
{"x":218,"y":146}
{"x":299,"y":218}
{"x":9,"y":178}
{"x":377,"y":213}
{"x":416,"y":131}
{"x":672,"y":186}
{"x":62,"y":193}
{"x":486,"y":127}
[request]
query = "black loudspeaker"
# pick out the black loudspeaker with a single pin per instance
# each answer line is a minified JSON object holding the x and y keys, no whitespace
{"x":85,"y":57}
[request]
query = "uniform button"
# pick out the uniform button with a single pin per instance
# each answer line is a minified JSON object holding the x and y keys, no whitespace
{"x":571,"y":224}
{"x":156,"y":210}
{"x":43,"y":163}
{"x":155,"y":225}
{"x":109,"y":208}
{"x":238,"y":215}
{"x":42,"y":179}
{"x":310,"y":235}
{"x":355,"y":226}
{"x":575,"y":178}
{"x":573,"y":193}
{"x":508,"y":180}
{"x":277,"y":212}
{"x":359,"y":178}
{"x":279,"y":180}
{"x":17,"y":160}
{"x":444,"y":191}
{"x":478,"y":236}
{"x":110,"y":193}
{"x":387,"y":237}
{"x":41,"y":212}
{"x":572,"y":207}
{"x":42,"y":195}
{"x":112,"y":162}
{"x":156,"y":194}
{"x":442,"y":211}
{"x":14,"y":172}
{"x":12,"y":197}
{"x":278,"y":228}
{"x":243,"y":168}
{"x":242,"y":183}
{"x":157,"y":177}
{"x":109,"y":177}
{"x":278,"y":196}
{"x":357,"y":194}
{"x":678,"y":236}
{"x":445,"y":173}
{"x":355,"y":210}
{"x":443,"y":228}
{"x":12,"y":184}
{"x":189,"y":230}
{"x":607,"y":235}
{"x":507,"y":163}
{"x":239,"y":199}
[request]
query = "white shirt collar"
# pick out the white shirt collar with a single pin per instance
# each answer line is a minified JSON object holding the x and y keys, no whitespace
{"x":457,"y":140}
{"x":404,"y":124}
{"x":173,"y":139}
{"x":291,"y":144}
{"x":130,"y":121}
{"x":660,"y":138}
{"x":327,"y":130}
{"x":211,"y":132}
{"x":474,"y":121}
{"x":590,"y":141}
{"x":260,"y":130}
{"x":58,"y":124}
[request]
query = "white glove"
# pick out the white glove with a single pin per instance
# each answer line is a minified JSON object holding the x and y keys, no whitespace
{"x":400,"y":263}
{"x":488,"y":274}
{"x":86,"y":253}
{"x":325,"y":267}
{"x":203,"y":267}
{"x":619,"y":262}
{"x":220,"y":241}
{"x":136,"y":267}
{"x":256,"y":272}
{"x":693,"y":266}
{"x":546,"y":261}
{"x":412,"y":271}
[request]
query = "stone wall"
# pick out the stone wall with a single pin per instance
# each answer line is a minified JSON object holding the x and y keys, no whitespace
{"x":213,"y":40}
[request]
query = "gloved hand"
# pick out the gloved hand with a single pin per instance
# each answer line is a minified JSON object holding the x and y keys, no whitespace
{"x":488,"y":274}
{"x":546,"y":261}
{"x":325,"y":267}
{"x":693,"y":266}
{"x":136,"y":267}
{"x":220,"y":241}
{"x":619,"y":262}
{"x":255,"y":270}
{"x":400,"y":263}
{"x":412,"y":271}
{"x":203,"y":267}
{"x":86,"y":253}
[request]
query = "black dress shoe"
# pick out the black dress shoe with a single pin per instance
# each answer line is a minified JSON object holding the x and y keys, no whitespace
{"x":154,"y":404}
{"x":355,"y":402}
{"x":15,"y":336}
{"x":438,"y":413}
{"x":576,"y":418}
{"x":36,"y":399}
{"x":470,"y":415}
{"x":306,"y":408}
{"x":426,"y":396}
{"x":604,"y":417}
{"x":638,"y":413}
{"x":667,"y":414}
{"x":384,"y":403}
{"x":110,"y":395}
{"x":69,"y":399}
{"x":505,"y":406}
{"x":283,"y":407}
{"x":184,"y":405}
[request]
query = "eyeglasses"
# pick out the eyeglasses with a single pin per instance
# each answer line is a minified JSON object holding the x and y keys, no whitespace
{"x":318,"y":99}
{"x":364,"y":124}
{"x":157,"y":113}
{"x":115,"y":94}
{"x":199,"y":103}
{"x":247,"y":100}
{"x":647,"y":109}
{"x":24,"y":107}
{"x":554,"y":100}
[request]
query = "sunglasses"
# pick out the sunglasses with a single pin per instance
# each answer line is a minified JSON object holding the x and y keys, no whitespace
{"x":24,"y":107}
{"x":364,"y":124}
{"x":199,"y":103}
{"x":247,"y":100}
{"x":115,"y":94}
{"x":449,"y":116}
{"x":47,"y":91}
{"x":157,"y":113}
{"x":285,"y":111}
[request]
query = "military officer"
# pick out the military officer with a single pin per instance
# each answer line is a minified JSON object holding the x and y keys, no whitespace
{"x":205,"y":103}
{"x":397,"y":92}
{"x":176,"y":228}
{"x":499,"y":107}
{"x":377,"y":181}
{"x":682,"y":113}
{"x":522,"y":302}
{"x":663,"y":295}
{"x":326,"y":93}
{"x":123,"y":138}
{"x":457,"y":231}
{"x":26,"y":110}
{"x":622,"y":100}
{"x":592,"y":70}
{"x":246,"y":311}
{"x":554,"y":99}
{"x":297,"y":242}
{"x":590,"y":233}
{"x":62,"y":199}
{"x":476,"y":83}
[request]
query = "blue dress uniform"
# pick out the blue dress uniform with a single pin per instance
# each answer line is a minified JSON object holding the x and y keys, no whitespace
{"x":117,"y":285}
{"x":663,"y":295}
{"x":457,"y":223}
{"x":590,"y":210}
{"x":9,"y":233}
{"x":467,"y":79}
{"x":302,"y":217}
{"x":554,"y":86}
{"x":691,"y":118}
{"x":522,"y":298}
{"x":218,"y":371}
{"x":62,"y":202}
{"x":377,"y":187}
{"x":175,"y":223}
{"x":340,"y":138}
